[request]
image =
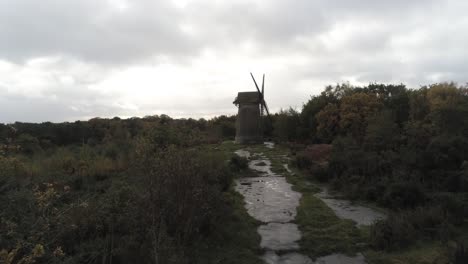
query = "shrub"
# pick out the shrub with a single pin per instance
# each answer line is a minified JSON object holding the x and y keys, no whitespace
{"x":320,"y":172}
{"x":454,"y":204}
{"x":313,"y":157}
{"x":403,"y":228}
{"x":404,"y":195}
{"x":393,"y":233}
{"x":238,"y":163}
{"x":302,"y":161}
{"x":374,"y":191}
{"x":460,"y":255}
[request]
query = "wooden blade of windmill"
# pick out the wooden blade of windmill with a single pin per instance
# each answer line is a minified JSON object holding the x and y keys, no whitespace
{"x":263,"y":97}
{"x":256,"y":86}
{"x":263,"y":87}
{"x":261,"y":110}
{"x":263,"y":94}
{"x":266,"y":108}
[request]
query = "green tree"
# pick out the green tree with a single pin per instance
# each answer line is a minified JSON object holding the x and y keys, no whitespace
{"x":382,"y":132}
{"x":286,"y":124}
{"x":309,"y":123}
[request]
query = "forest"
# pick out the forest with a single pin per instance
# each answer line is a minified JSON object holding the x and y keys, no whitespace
{"x":159,"y":190}
{"x":402,"y":149}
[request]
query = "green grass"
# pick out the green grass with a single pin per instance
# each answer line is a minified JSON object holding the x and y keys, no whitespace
{"x":323,"y":232}
{"x":235,"y":241}
{"x":423,"y":253}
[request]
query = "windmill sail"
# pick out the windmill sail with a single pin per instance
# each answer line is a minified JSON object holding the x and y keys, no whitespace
{"x":263,"y":95}
{"x":263,"y":104}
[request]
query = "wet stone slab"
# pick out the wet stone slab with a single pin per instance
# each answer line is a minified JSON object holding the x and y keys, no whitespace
{"x":271,"y":257}
{"x":242,"y":153}
{"x":257,"y":162}
{"x":269,"y":199}
{"x":263,"y":167}
{"x":279,"y":236}
{"x":344,"y":209}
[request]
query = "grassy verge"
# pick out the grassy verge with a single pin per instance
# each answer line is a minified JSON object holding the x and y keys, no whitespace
{"x":236,"y":239}
{"x":323,"y":232}
{"x":423,"y":253}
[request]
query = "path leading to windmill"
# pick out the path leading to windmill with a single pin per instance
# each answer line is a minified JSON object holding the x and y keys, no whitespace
{"x":271,"y":199}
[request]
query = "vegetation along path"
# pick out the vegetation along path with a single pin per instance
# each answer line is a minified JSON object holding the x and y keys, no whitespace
{"x":326,"y":229}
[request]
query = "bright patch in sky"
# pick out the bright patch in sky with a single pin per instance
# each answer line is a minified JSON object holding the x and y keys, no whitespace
{"x":77,"y":59}
{"x":121,"y":5}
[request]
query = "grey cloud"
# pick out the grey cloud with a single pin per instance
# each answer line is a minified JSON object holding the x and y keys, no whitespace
{"x":57,"y":103}
{"x":37,"y":110}
{"x":395,"y":41}
{"x":95,"y":31}
{"x":89,"y":30}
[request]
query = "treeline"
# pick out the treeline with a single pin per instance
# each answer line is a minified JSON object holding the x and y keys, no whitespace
{"x":33,"y":137}
{"x":404,"y":149}
{"x":149,"y":190}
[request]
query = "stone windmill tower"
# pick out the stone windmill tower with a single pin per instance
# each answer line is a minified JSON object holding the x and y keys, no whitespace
{"x":251,"y":105}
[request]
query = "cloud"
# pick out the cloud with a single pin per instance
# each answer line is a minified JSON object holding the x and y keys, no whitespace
{"x":95,"y":31}
{"x":67,"y":60}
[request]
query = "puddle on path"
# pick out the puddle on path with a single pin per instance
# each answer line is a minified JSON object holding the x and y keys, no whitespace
{"x":269,"y":199}
{"x":258,"y":163}
{"x":363,"y":216}
{"x":242,"y":153}
{"x":279,"y":236}
{"x":286,"y":167}
{"x":289,"y":258}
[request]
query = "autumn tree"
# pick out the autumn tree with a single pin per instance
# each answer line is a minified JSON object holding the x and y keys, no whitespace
{"x":355,"y":111}
{"x":328,"y":120}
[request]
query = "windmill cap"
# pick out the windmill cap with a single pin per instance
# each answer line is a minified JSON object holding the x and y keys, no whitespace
{"x":247,"y":98}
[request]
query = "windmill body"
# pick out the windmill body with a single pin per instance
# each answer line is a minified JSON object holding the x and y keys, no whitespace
{"x":249,"y":129}
{"x":248,"y":123}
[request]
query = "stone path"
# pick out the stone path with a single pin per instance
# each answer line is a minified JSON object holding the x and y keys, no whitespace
{"x":270,"y":199}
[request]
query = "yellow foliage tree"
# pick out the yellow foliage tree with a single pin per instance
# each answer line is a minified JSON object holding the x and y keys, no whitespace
{"x":355,"y":110}
{"x":328,"y":120}
{"x":443,"y":95}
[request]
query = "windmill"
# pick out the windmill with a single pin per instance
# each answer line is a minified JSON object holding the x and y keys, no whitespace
{"x":249,"y":127}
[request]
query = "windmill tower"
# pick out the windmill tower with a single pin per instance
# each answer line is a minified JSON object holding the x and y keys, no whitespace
{"x":249,"y":127}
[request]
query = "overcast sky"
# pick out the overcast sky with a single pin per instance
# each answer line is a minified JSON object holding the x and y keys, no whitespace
{"x":64,"y":60}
